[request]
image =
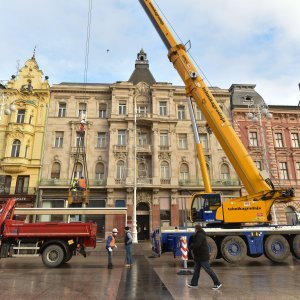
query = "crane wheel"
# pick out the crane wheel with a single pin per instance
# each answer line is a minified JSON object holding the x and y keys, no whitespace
{"x":53,"y":256}
{"x":296,"y":246}
{"x":213,"y":249}
{"x":277,"y":248}
{"x":233,"y":249}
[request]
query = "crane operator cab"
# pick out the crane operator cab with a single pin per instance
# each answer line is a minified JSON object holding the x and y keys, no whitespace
{"x":204,"y":207}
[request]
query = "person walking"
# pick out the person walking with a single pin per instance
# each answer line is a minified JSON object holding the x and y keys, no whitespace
{"x":199,"y":248}
{"x":110,"y":245}
{"x":128,"y":246}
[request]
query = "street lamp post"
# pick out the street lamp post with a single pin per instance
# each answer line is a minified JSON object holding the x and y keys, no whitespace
{"x":134,"y":229}
{"x":256,"y":113}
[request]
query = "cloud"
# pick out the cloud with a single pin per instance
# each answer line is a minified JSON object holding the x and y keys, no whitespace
{"x":233,"y":41}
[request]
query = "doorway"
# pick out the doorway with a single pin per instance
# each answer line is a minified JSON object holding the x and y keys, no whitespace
{"x":143,"y":221}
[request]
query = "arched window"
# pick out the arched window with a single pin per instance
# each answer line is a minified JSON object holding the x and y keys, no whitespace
{"x":99,"y":172}
{"x":184,"y":172}
{"x":15,"y":149}
{"x":225,"y":174}
{"x":164,"y":170}
{"x":78,"y":170}
{"x":55,"y":172}
{"x":120,"y":170}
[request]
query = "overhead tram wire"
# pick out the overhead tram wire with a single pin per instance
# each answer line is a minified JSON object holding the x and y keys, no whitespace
{"x":80,"y":143}
{"x":87,"y":43}
{"x":86,"y":66}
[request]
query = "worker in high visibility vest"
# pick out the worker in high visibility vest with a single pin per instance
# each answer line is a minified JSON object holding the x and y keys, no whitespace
{"x":82,"y":184}
{"x":74,"y":186}
{"x":110,"y":245}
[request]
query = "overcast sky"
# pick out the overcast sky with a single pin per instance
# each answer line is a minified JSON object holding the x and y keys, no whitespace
{"x":233,"y":41}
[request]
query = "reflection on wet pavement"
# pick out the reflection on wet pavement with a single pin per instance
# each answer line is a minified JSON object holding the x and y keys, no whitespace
{"x":141,"y":282}
{"x":148,"y":279}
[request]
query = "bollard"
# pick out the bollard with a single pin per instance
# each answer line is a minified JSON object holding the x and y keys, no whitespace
{"x":184,"y":257}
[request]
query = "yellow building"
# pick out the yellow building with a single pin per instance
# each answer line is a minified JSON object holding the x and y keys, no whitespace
{"x":23,"y":113}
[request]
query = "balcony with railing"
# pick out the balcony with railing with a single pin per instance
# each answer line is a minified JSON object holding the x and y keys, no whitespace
{"x":97,"y":182}
{"x":120,"y":148}
{"x":164,"y":147}
{"x":120,"y":181}
{"x":80,"y":149}
{"x":144,"y":181}
{"x":165,"y":181}
{"x":214,"y":182}
{"x":143,"y":116}
{"x":144,"y":148}
{"x":66,"y":182}
{"x":225,"y":182}
{"x":54,"y":182}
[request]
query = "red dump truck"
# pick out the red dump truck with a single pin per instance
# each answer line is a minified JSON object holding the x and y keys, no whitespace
{"x":56,"y":242}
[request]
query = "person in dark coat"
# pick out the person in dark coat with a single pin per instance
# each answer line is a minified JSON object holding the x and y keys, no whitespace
{"x":200,"y":252}
{"x":128,"y":246}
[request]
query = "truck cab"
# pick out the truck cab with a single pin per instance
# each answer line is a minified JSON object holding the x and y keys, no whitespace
{"x":204,"y":207}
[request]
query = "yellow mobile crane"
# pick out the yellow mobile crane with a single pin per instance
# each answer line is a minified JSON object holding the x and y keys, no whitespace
{"x":229,"y":240}
{"x":255,"y":207}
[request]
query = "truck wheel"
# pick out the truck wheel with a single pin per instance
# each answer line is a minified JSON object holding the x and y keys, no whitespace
{"x":277,"y":248}
{"x":53,"y":256}
{"x":233,"y":249}
{"x":296,"y":246}
{"x":213,"y":249}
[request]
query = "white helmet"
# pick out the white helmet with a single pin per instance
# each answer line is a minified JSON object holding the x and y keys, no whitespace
{"x":115,"y":230}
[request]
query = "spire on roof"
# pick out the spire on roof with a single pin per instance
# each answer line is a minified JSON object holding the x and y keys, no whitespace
{"x":33,"y":55}
{"x":142,"y":71}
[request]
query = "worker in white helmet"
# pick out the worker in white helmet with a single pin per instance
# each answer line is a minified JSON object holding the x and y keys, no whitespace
{"x":110,"y":245}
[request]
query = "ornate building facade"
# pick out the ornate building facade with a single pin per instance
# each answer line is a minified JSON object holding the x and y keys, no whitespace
{"x":272,"y":137}
{"x":23,"y":114}
{"x":138,"y":135}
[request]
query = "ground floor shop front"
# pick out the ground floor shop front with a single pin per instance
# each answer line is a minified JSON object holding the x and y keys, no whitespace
{"x":154,"y":208}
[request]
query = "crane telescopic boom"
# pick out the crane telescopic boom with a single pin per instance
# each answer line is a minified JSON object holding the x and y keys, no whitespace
{"x":257,"y":187}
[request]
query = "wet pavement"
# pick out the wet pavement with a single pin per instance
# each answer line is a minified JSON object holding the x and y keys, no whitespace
{"x":149,"y":278}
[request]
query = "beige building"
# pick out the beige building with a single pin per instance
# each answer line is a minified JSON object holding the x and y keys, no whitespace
{"x":23,"y":113}
{"x":162,"y":155}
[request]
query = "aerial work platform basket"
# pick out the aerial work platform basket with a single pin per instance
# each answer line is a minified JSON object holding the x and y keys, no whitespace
{"x":79,"y":183}
{"x":80,"y":197}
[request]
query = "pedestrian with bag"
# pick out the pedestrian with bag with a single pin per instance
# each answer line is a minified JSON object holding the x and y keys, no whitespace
{"x":110,"y":245}
{"x":128,"y":246}
{"x":200,"y":252}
